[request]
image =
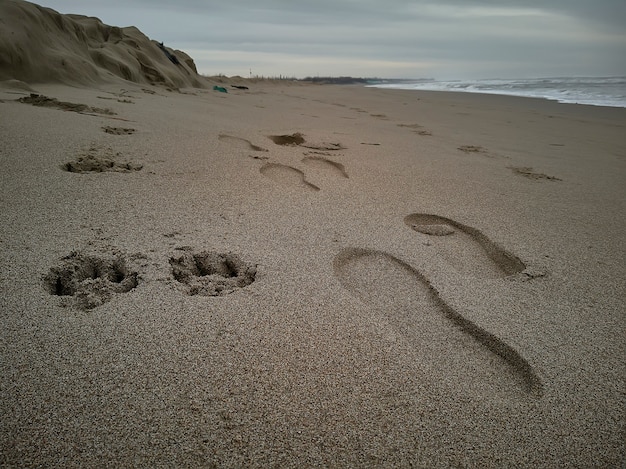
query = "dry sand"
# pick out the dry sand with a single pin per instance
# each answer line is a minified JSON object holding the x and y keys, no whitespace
{"x":297,"y":275}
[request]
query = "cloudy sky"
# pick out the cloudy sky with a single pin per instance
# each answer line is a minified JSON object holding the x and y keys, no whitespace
{"x":442,"y":39}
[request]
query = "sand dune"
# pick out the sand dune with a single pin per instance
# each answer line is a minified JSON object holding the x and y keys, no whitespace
{"x":40,"y":45}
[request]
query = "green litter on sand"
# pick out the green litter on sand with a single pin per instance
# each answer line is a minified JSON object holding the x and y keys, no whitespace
{"x":221,"y":89}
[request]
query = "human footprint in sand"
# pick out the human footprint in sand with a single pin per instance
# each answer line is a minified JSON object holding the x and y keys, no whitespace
{"x":463,"y":354}
{"x":468,"y":250}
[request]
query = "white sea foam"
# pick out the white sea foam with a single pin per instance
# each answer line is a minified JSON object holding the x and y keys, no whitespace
{"x":605,"y":91}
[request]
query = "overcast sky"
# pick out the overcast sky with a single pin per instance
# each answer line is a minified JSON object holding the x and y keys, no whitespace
{"x":443,"y":39}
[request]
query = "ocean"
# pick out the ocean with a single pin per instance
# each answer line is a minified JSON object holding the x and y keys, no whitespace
{"x":596,"y":91}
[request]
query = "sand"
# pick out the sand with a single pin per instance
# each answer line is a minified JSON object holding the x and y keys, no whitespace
{"x":299,"y":275}
{"x":38,"y":44}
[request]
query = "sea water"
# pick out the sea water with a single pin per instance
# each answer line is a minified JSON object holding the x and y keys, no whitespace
{"x":597,"y":91}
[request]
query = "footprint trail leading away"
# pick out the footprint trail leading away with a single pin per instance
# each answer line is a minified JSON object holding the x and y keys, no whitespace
{"x":450,"y":347}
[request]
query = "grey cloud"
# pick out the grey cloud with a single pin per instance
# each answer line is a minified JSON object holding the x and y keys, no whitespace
{"x":604,"y":13}
{"x":455,"y":34}
{"x":345,"y":11}
{"x":608,"y":12}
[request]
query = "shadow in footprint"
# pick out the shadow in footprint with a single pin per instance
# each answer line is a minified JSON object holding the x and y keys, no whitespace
{"x":472,"y":149}
{"x":246,"y":144}
{"x":100,"y":160}
{"x":44,"y":101}
{"x":118,"y":130}
{"x":478,"y":150}
{"x":451,"y":347}
{"x":322,"y":163}
{"x":212,"y":274}
{"x":297,"y":140}
{"x":87,"y":281}
{"x":287,"y":140}
{"x":464,"y":247}
{"x":530,"y":173}
{"x":287,"y":176}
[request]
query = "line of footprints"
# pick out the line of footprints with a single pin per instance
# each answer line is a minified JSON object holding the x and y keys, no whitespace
{"x":472,"y":357}
{"x":288,"y":175}
{"x":483,"y":362}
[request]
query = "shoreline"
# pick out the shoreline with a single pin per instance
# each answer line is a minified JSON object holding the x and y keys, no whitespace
{"x":565,"y":90}
{"x":485,"y":95}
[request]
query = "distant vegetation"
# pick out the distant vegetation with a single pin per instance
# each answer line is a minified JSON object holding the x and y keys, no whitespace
{"x":338,"y":80}
{"x":358,"y":80}
{"x":322,"y":80}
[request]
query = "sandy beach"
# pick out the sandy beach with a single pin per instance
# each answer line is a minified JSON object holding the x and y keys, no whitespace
{"x":362,"y":341}
{"x":297,"y":275}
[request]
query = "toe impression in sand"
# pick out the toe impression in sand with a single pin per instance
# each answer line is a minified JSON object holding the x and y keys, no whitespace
{"x":88,"y":281}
